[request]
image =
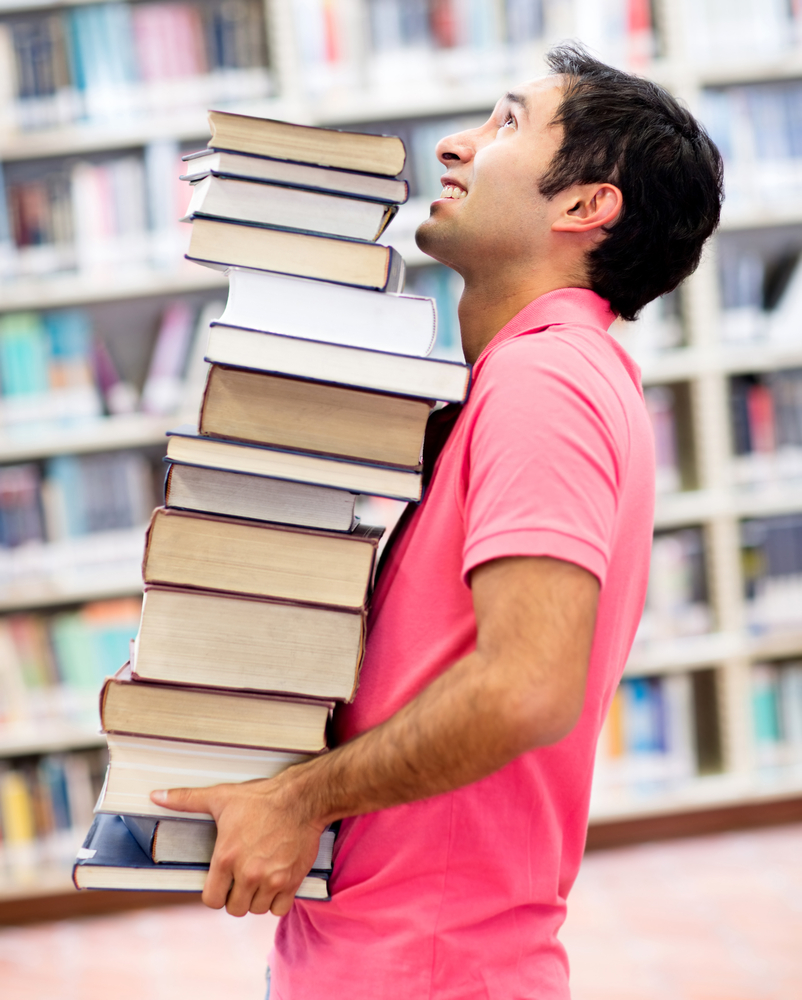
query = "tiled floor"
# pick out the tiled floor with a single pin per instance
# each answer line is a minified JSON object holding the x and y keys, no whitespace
{"x":718,"y":918}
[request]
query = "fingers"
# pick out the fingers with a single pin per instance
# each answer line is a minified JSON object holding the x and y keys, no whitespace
{"x":184,"y":799}
{"x":282,"y":903}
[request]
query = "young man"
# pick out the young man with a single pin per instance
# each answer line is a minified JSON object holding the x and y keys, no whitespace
{"x":506,"y":609}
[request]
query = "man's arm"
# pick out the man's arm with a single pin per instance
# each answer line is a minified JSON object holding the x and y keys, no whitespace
{"x":523,"y":687}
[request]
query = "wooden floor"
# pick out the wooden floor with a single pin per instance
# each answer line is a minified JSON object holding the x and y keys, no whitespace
{"x":717,"y":918}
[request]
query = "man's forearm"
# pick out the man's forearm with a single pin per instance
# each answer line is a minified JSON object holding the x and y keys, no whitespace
{"x":461,"y":728}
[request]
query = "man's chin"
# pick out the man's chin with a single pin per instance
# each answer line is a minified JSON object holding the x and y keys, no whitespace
{"x":431,"y":239}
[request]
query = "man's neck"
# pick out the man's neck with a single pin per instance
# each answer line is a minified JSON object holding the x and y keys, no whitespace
{"x":485,"y":308}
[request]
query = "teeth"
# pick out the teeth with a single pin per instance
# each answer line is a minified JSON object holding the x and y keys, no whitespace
{"x":452,"y":191}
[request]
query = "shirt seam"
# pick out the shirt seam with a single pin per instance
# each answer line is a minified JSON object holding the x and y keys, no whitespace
{"x":539,"y":530}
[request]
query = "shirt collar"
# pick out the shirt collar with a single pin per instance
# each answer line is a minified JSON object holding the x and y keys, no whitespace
{"x":566,"y":306}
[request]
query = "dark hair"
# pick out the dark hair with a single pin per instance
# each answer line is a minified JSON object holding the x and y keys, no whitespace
{"x":632,"y":133}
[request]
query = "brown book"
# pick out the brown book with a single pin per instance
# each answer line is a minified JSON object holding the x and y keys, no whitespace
{"x":206,"y":715}
{"x":186,"y":549}
{"x":261,"y":408}
{"x":349,"y":262}
{"x":324,"y":147}
{"x":204,"y":638}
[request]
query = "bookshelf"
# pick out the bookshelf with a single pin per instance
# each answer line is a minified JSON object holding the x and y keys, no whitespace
{"x":393,"y":77}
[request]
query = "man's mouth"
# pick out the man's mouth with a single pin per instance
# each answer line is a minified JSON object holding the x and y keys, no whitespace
{"x":452,"y":191}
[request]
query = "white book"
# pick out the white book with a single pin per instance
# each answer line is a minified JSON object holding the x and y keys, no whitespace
{"x":259,"y":498}
{"x":288,"y":208}
{"x":224,"y":163}
{"x":680,"y":742}
{"x":139,"y":765}
{"x":186,"y":446}
{"x":378,"y":371}
{"x":337,"y":314}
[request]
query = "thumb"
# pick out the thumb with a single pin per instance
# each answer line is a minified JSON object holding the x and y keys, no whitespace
{"x":182,"y":799}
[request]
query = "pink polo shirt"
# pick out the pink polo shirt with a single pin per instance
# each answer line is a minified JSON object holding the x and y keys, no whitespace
{"x":461,"y":896}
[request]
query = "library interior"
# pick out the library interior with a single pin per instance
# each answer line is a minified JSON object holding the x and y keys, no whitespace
{"x":692,"y":883}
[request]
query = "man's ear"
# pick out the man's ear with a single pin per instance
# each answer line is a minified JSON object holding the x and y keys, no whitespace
{"x":588,"y":206}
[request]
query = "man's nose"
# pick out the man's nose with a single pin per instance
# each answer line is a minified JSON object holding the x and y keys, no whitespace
{"x":459,"y":147}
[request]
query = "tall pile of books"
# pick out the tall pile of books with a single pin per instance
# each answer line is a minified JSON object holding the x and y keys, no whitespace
{"x":257,"y":572}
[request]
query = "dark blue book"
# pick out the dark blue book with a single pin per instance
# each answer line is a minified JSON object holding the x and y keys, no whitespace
{"x":112,"y":859}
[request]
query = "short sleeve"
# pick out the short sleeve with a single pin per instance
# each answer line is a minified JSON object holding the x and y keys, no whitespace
{"x":544,"y":456}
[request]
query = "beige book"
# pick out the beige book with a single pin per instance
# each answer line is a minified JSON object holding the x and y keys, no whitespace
{"x":186,"y":549}
{"x":205,"y":638}
{"x":267,"y":409}
{"x":350,"y":262}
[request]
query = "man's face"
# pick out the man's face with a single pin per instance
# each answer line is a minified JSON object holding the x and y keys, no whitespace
{"x":490,"y":211}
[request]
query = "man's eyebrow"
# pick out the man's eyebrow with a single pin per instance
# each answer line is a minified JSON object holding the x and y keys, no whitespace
{"x":514,"y":98}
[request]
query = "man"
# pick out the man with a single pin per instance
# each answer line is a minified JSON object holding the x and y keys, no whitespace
{"x":506,"y":609}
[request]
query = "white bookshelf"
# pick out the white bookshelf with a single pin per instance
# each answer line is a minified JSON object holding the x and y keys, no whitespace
{"x":446,"y":87}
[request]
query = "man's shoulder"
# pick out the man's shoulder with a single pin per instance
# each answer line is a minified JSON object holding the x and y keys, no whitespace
{"x":580,"y":354}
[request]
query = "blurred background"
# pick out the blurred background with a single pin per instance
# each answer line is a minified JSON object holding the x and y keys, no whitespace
{"x":101,"y":350}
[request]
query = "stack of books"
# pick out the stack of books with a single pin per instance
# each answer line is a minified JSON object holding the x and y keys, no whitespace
{"x":257,"y":571}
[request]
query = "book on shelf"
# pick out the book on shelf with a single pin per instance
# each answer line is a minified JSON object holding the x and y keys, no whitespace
{"x":258,"y":498}
{"x":21,"y":518}
{"x":139,"y":765}
{"x":776,"y":694}
{"x":111,"y":858}
{"x":288,"y":208}
{"x":349,"y":262}
{"x":45,"y":807}
{"x":191,"y":841}
{"x":121,"y":59}
{"x":185,"y":446}
{"x":212,"y":716}
{"x":326,"y":147}
{"x":46,"y":367}
{"x":247,"y":166}
{"x":186,"y":549}
{"x":357,"y":367}
{"x":676,"y":599}
{"x":164,"y":382}
{"x":766,"y":420}
{"x":321,"y":311}
{"x":649,"y":734}
{"x":772,"y":570}
{"x":288,"y":413}
{"x":207,"y":638}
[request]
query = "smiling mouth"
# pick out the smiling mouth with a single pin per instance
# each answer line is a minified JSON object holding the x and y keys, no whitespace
{"x":453,"y":192}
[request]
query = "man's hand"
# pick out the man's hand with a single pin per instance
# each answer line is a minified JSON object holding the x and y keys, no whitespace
{"x":265,"y":844}
{"x":523,"y":687}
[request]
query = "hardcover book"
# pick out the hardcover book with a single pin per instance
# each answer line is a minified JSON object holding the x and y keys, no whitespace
{"x":249,"y":167}
{"x":288,"y":208}
{"x":207,"y":715}
{"x":378,"y":371}
{"x":186,"y":549}
{"x":191,"y":841}
{"x":319,"y":310}
{"x":186,"y":446}
{"x":111,"y":858}
{"x":223,"y":244}
{"x":327,"y":147}
{"x":210,"y":639}
{"x":298,"y":415}
{"x":139,"y":765}
{"x":237,"y":494}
